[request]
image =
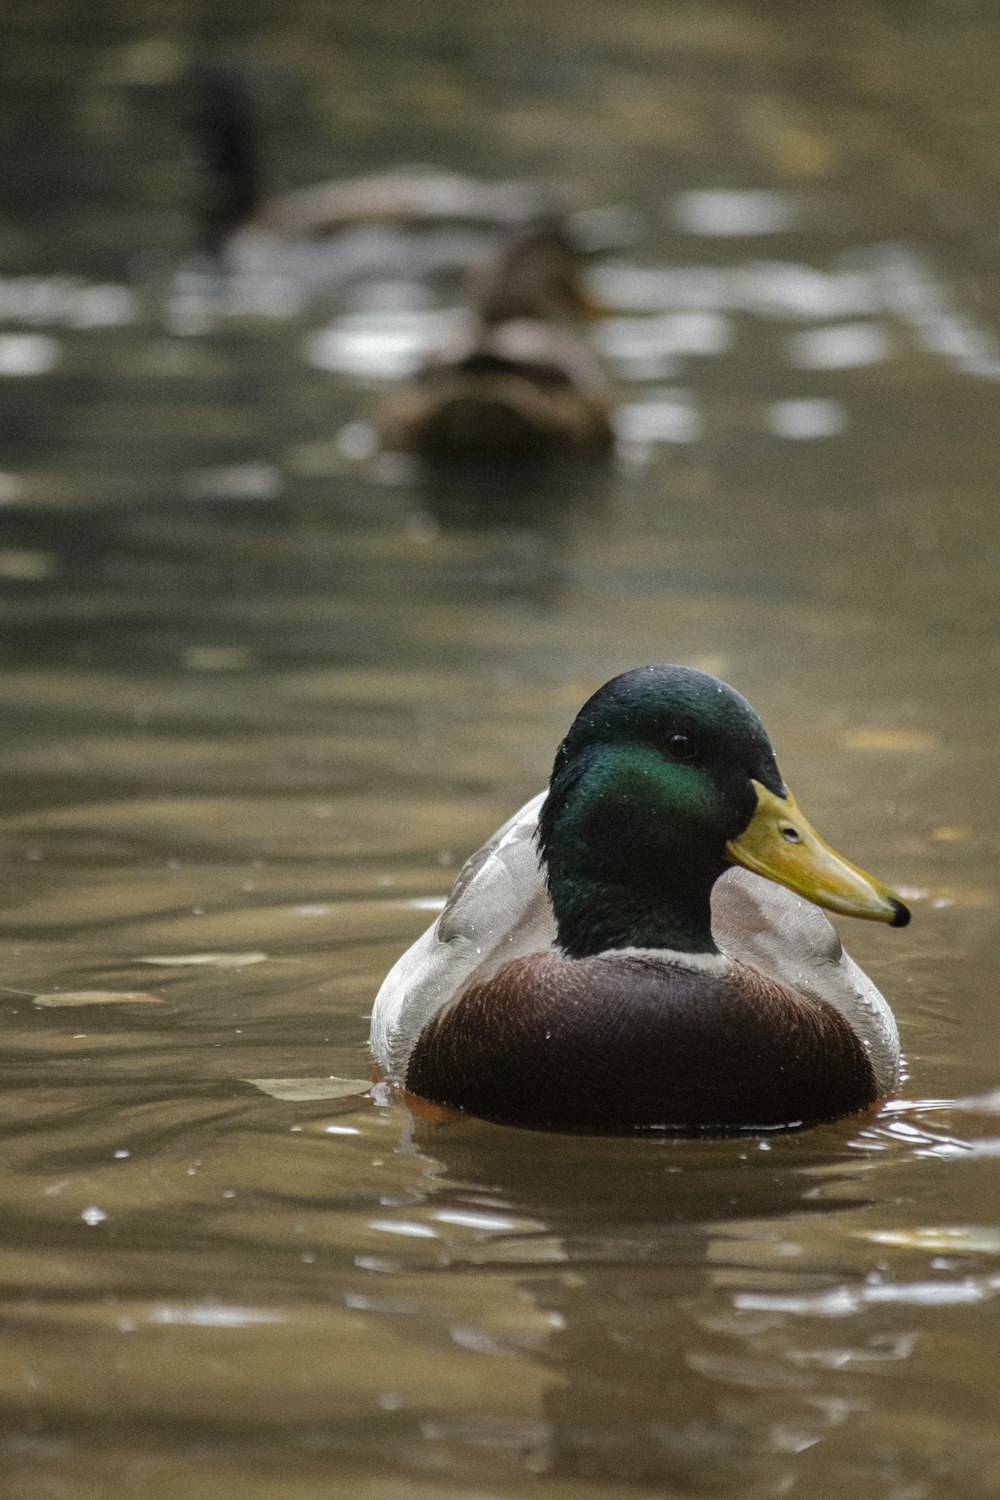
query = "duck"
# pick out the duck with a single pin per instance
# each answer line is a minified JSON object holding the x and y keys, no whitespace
{"x":406,"y":221}
{"x":518,"y":382}
{"x":640,"y":948}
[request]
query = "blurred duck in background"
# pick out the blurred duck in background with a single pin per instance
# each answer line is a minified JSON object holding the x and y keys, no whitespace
{"x":520,"y":382}
{"x":419,"y":222}
{"x":225,"y":131}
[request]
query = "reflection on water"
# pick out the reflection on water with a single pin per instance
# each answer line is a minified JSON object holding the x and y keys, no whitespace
{"x":383,"y":346}
{"x":263,"y":692}
{"x":732,"y":215}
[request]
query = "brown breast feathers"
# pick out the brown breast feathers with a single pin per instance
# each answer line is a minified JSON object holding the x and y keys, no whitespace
{"x":618,"y":1044}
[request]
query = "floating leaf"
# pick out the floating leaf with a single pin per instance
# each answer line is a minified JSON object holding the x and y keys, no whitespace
{"x":955,"y":1240}
{"x":908,"y":740}
{"x":218,"y":658}
{"x":206,"y":960}
{"x":298,"y":1090}
{"x":96,"y":997}
{"x":972,"y":897}
{"x":18,"y":562}
{"x":951,"y":833}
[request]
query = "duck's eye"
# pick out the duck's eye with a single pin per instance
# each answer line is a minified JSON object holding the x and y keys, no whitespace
{"x":681,"y":747}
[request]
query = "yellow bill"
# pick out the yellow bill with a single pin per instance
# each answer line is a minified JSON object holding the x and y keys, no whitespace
{"x":781,"y":844}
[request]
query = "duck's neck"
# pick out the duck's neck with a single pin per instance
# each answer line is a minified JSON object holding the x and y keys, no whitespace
{"x":631,"y":854}
{"x":594,"y":915}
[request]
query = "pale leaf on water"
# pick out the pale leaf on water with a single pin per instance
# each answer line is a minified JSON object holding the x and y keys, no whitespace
{"x":95,"y":997}
{"x":205,"y":960}
{"x":947,"y":1239}
{"x":299,"y":1090}
{"x":951,"y":833}
{"x":907,"y":741}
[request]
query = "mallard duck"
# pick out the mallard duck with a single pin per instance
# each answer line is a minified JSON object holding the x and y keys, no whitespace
{"x":407,"y":221}
{"x":224,"y":127}
{"x":591,"y":971}
{"x":519,"y":383}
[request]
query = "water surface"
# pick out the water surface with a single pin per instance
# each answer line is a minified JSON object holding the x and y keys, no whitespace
{"x":262,"y":695}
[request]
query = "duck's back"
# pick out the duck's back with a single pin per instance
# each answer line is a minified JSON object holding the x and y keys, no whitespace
{"x":520,"y":389}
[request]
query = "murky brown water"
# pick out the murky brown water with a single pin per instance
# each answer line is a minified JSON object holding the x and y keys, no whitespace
{"x":261,"y":697}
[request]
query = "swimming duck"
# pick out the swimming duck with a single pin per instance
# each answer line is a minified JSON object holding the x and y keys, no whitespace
{"x":519,"y":383}
{"x":409,"y":221}
{"x":225,"y":129}
{"x":612,"y":961}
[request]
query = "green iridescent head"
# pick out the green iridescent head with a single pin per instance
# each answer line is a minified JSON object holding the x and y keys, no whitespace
{"x":667,"y":777}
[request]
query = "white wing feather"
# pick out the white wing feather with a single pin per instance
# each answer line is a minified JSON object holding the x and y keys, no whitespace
{"x":499,"y":909}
